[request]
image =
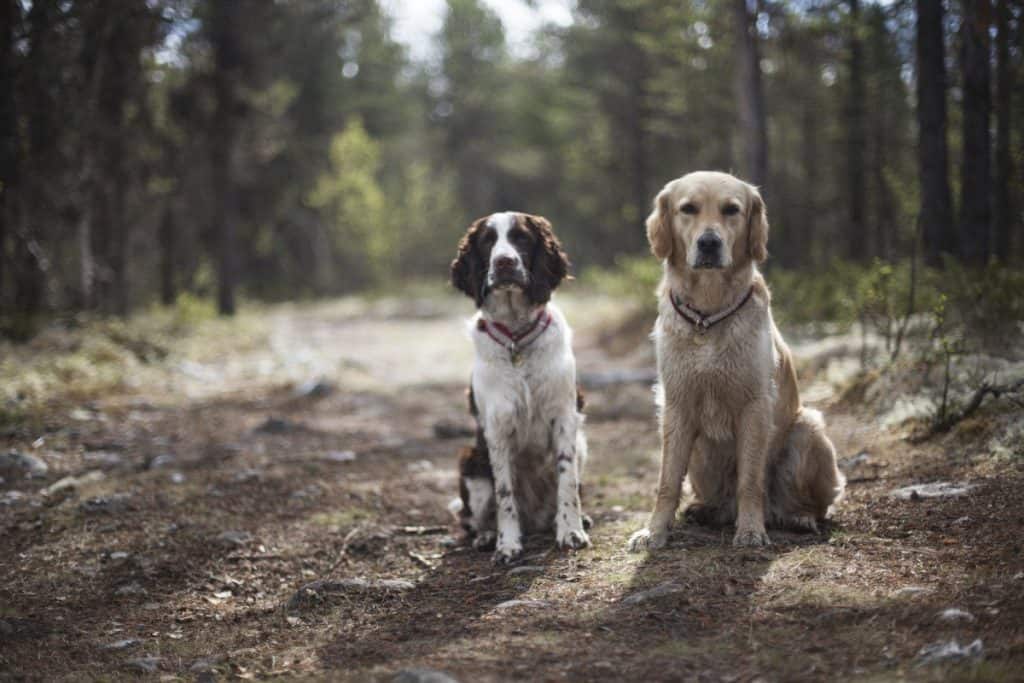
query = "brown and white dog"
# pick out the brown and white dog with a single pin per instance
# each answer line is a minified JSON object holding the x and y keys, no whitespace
{"x":731,"y":416}
{"x":524,"y":473}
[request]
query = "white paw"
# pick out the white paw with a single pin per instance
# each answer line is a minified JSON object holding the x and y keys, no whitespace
{"x":507,"y":553}
{"x":751,"y":538}
{"x":645,"y":540}
{"x":573,"y":538}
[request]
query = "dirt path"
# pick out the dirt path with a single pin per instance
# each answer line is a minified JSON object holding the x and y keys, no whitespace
{"x":199,"y":506}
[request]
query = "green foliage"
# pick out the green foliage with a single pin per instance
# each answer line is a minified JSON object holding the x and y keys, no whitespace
{"x":988,"y":303}
{"x":350,"y":199}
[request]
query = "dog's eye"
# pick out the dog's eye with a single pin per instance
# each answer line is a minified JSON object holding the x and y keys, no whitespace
{"x":730,"y":210}
{"x":519,"y":236}
{"x":689,"y":208}
{"x":488,"y":237}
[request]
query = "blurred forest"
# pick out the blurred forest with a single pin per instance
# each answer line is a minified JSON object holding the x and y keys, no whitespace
{"x":281,"y":150}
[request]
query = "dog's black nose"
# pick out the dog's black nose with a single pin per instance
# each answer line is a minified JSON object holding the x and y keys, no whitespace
{"x":504,"y":263}
{"x":709,"y":243}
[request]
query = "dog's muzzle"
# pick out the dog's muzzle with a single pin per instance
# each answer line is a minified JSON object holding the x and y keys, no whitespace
{"x":709,"y":251}
{"x":506,"y":270}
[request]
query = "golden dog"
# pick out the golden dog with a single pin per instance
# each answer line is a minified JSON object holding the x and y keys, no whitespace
{"x":730,"y":411}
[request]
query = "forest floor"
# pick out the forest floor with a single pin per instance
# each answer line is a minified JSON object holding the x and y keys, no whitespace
{"x":267,"y":498}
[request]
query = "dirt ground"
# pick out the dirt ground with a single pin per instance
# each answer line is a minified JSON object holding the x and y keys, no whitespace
{"x":272,"y":503}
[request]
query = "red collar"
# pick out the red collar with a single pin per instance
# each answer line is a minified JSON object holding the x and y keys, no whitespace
{"x":517,"y":341}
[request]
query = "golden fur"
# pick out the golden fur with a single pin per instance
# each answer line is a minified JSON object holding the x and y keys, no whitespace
{"x":731,"y":416}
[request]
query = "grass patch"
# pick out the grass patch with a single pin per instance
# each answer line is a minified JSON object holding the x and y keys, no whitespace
{"x":343,"y":518}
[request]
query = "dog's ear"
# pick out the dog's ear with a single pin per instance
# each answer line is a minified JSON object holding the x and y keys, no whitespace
{"x":659,"y":226}
{"x":757,"y":227}
{"x":468,"y":269}
{"x":549,"y":263}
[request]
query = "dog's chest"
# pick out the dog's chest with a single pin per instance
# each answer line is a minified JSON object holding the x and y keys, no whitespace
{"x":713,"y":375}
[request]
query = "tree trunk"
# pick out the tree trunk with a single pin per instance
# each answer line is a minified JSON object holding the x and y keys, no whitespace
{"x":750,"y":95}
{"x":9,"y":13}
{"x":856,"y":138}
{"x":226,"y":63}
{"x":936,"y":213}
{"x":809,"y":153}
{"x":168,"y":289}
{"x":976,"y":185}
{"x":1003,"y":217}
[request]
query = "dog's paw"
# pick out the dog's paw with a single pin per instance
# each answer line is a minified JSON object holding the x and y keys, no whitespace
{"x":485,"y":541}
{"x":573,"y":539}
{"x":644,"y":539}
{"x":751,"y":538}
{"x":507,"y":554}
{"x":804,"y":523}
{"x":587,"y":521}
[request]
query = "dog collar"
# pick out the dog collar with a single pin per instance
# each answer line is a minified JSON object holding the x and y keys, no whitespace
{"x":701,"y":321}
{"x":515,"y":342}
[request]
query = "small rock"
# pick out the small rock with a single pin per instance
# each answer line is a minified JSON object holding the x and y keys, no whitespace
{"x":509,"y":604}
{"x":910,"y":591}
{"x":122,"y":644}
{"x":935,"y":489}
{"x":163,"y":460}
{"x":452,"y":430}
{"x":23,"y":464}
{"x":950,"y":651}
{"x":278,"y":425}
{"x":854,"y":461}
{"x":106,"y":505}
{"x":315,"y":388}
{"x":177,"y":478}
{"x":319,"y":591}
{"x":306,"y":492}
{"x":104,"y":459}
{"x":955,"y":614}
{"x":658,"y":591}
{"x":133,"y":588}
{"x":526,"y":569}
{"x":11,"y":498}
{"x":422,"y":676}
{"x":234,"y":538}
{"x":247,"y":474}
{"x":205,"y":665}
{"x":339,"y":456}
{"x":146,"y":665}
{"x":119,"y":555}
{"x":69,"y":483}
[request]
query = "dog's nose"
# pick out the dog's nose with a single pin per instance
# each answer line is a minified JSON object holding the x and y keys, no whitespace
{"x":709,"y":243}
{"x":504,"y":262}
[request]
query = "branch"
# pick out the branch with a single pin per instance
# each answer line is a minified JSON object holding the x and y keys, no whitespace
{"x":986,"y":389}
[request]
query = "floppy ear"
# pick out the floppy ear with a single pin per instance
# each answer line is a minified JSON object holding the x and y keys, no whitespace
{"x":550,"y":264}
{"x":659,"y":226}
{"x":757,"y":227}
{"x":468,"y":269}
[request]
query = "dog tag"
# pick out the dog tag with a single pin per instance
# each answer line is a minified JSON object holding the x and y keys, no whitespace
{"x":517,"y":359}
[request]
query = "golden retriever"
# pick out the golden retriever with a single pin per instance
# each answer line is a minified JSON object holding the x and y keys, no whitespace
{"x":730,"y":412}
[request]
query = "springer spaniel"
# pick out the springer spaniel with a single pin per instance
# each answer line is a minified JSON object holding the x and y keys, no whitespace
{"x":523,"y":475}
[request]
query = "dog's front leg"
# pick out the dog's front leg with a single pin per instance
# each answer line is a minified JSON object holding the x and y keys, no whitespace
{"x":509,"y":545}
{"x":677,"y":440}
{"x":569,"y":531}
{"x":755,"y":426}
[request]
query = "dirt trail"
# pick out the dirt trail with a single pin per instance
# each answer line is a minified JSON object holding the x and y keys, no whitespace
{"x":321,"y":455}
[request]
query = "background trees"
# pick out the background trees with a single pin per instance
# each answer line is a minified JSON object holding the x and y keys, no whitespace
{"x":280,"y":150}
